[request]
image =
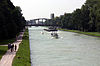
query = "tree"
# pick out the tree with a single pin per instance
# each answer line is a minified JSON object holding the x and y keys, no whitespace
{"x":11,"y":20}
{"x":85,"y":19}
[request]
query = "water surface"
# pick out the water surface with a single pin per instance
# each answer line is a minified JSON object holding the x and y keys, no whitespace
{"x":71,"y":49}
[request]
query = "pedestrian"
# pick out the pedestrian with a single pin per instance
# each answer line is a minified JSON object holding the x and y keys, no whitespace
{"x":9,"y":46}
{"x":15,"y":47}
{"x":12,"y":47}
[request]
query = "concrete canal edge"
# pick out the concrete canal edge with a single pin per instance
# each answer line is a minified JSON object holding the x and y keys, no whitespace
{"x":22,"y":57}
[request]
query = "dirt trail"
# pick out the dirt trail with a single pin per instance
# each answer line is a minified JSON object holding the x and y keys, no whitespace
{"x":7,"y":59}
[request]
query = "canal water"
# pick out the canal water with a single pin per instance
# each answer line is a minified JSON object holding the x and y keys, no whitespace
{"x":70,"y":49}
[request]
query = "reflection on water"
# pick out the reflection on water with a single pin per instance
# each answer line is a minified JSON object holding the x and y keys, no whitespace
{"x":71,"y":49}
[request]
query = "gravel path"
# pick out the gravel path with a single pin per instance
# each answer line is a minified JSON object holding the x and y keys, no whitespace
{"x":9,"y":56}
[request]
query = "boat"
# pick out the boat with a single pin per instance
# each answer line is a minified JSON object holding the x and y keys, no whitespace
{"x":51,"y":29}
{"x":54,"y":35}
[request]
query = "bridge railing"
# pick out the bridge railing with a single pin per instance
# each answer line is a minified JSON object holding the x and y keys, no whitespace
{"x":40,"y":25}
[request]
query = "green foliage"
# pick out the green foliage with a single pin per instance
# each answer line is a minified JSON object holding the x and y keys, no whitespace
{"x":85,"y":19}
{"x":3,"y":50}
{"x":11,"y":20}
{"x":26,"y":36}
{"x":23,"y":55}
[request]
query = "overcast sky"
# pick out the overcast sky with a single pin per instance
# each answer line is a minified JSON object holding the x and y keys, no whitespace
{"x":32,"y":9}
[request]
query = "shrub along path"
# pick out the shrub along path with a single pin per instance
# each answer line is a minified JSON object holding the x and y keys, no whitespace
{"x":7,"y":59}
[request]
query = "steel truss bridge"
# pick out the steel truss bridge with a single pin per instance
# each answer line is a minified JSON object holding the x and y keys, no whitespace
{"x":38,"y":22}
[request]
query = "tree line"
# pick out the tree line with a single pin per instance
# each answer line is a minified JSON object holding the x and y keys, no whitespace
{"x":86,"y":19}
{"x":11,"y":20}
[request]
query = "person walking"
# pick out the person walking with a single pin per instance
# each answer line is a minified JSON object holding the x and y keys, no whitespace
{"x":12,"y":47}
{"x":15,"y":47}
{"x":9,"y":46}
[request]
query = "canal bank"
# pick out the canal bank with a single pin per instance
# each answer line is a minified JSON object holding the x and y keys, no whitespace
{"x":96,"y":34}
{"x":22,"y":57}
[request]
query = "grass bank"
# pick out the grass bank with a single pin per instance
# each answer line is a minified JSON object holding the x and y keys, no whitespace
{"x":97,"y":34}
{"x":22,"y":57}
{"x":3,"y":50}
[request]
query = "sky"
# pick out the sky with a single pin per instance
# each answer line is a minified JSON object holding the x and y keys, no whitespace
{"x":33,"y":9}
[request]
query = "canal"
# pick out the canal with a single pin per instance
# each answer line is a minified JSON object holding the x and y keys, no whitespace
{"x":71,"y":49}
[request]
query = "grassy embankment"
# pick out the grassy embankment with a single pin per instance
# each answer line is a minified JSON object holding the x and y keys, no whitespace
{"x":3,"y":50}
{"x":23,"y":55}
{"x":97,"y":34}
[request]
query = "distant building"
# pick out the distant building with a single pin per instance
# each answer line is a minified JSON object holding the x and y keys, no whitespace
{"x":52,"y":16}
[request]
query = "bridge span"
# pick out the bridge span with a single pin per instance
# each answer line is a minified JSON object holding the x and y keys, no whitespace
{"x":40,"y":22}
